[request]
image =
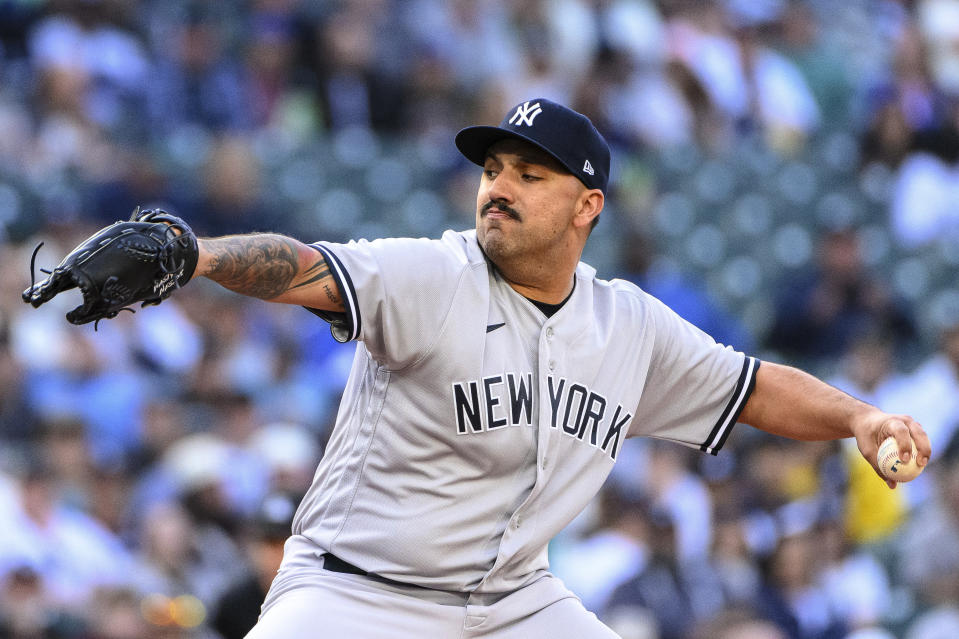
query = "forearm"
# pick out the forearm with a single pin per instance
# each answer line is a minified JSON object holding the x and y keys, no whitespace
{"x":794,"y":404}
{"x":270,"y":267}
{"x":788,"y":402}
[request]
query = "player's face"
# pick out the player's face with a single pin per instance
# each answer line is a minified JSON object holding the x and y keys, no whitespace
{"x":526,"y":203}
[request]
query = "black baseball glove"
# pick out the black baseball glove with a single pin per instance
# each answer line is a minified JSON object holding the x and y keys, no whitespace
{"x":140,"y":260}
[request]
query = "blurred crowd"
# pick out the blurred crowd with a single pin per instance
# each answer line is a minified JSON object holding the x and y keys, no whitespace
{"x":149,"y":469}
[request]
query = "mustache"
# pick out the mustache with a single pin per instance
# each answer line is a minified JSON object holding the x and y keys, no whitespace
{"x":513,"y":213}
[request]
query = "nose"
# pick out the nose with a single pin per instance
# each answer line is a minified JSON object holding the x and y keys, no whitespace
{"x":498,"y":189}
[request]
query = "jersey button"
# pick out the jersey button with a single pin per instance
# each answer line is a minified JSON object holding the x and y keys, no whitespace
{"x":549,"y":333}
{"x":544,"y":463}
{"x":552,"y":364}
{"x":515,"y":522}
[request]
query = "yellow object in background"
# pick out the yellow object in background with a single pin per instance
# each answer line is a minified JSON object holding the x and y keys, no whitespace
{"x":873,"y":511}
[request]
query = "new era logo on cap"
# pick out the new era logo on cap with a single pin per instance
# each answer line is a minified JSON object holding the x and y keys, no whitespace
{"x":560,"y":131}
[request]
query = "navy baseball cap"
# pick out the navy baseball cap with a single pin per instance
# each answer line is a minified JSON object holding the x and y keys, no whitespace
{"x":565,"y":134}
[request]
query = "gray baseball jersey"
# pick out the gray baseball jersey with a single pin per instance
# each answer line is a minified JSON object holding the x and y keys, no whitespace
{"x":473,"y":428}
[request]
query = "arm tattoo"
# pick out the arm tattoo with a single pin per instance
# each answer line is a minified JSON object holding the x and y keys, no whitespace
{"x":330,"y":295}
{"x":317,"y":273}
{"x":257,"y":265}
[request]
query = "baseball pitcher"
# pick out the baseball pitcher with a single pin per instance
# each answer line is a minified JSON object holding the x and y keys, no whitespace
{"x":495,"y":380}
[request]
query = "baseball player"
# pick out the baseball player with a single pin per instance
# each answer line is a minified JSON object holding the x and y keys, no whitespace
{"x":495,"y":380}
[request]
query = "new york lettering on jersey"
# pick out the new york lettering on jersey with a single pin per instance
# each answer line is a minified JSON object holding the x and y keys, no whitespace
{"x":505,"y":400}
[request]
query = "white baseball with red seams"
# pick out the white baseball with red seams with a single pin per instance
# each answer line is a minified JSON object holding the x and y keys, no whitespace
{"x":894,"y":468}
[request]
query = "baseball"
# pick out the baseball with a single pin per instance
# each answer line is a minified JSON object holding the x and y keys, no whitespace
{"x":892,"y":467}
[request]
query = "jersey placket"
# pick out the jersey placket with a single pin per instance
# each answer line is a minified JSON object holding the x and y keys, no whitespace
{"x":548,"y":365}
{"x":549,"y":360}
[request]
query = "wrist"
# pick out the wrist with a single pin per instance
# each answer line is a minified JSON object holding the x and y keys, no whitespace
{"x":203,"y":259}
{"x":863,"y":423}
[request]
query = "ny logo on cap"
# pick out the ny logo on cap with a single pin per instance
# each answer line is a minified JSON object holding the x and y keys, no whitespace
{"x":525,"y":114}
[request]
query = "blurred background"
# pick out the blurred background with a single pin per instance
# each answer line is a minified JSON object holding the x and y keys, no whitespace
{"x":785,"y":176}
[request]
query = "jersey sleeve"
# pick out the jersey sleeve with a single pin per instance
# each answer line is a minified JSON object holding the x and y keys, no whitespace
{"x":695,"y":388}
{"x":396,"y":294}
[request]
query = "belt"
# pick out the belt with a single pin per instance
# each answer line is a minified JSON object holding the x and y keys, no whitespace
{"x":335,"y":564}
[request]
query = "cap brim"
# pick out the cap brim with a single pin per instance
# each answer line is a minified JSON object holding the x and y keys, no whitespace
{"x":474,"y":141}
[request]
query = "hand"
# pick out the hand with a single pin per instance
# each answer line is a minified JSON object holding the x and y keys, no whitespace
{"x":141,"y":260}
{"x":876,"y":426}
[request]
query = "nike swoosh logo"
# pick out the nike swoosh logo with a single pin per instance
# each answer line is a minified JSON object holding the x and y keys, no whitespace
{"x":493,"y":327}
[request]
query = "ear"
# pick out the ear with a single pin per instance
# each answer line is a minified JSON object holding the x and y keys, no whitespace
{"x":590,"y":205}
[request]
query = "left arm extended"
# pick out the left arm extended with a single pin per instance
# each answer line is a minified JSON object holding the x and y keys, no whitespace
{"x":788,"y":402}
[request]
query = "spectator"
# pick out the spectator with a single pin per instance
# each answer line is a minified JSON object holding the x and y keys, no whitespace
{"x":938,"y":21}
{"x":738,"y":624}
{"x":688,"y":298}
{"x":932,"y":390}
{"x":232,"y":196}
{"x":789,"y":596}
{"x":820,"y":310}
{"x":177,"y":557}
{"x":290,"y":453}
{"x":27,"y":608}
{"x":905,"y":106}
{"x":675,"y":592}
{"x":673,"y":487}
{"x":753,"y":85}
{"x":360,"y":73}
{"x":923,"y":206}
{"x":802,"y":39}
{"x":237,"y":610}
{"x":70,"y":552}
{"x":867,"y":370}
{"x":93,"y":40}
{"x":594,"y":566}
{"x":734,"y":561}
{"x":855,"y":583}
{"x":934,"y":574}
{"x":115,"y":614}
{"x":194,"y":83}
{"x":273,"y":76}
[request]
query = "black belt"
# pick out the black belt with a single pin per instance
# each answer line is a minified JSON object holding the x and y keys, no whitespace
{"x":334,"y":563}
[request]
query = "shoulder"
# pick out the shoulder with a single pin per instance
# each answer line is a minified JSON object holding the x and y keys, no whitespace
{"x":617,"y":305}
{"x":462,"y":246}
{"x":623,"y":294}
{"x":452,"y":249}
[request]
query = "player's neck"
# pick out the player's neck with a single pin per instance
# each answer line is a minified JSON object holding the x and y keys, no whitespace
{"x":549,"y":287}
{"x":545,"y":277}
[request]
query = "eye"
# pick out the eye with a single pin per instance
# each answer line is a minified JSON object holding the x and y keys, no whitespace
{"x":489,"y":173}
{"x":529,"y":177}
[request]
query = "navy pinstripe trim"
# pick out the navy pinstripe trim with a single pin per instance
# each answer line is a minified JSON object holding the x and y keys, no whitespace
{"x":345,"y":284}
{"x":744,"y":388}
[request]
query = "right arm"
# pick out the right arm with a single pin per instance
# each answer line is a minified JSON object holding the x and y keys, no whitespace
{"x":271,"y":267}
{"x":791,"y":403}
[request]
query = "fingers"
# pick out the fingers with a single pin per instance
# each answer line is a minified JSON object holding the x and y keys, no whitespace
{"x":877,"y":427}
{"x":903,"y":440}
{"x":905,"y":430}
{"x":46,"y":289}
{"x":923,"y":446}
